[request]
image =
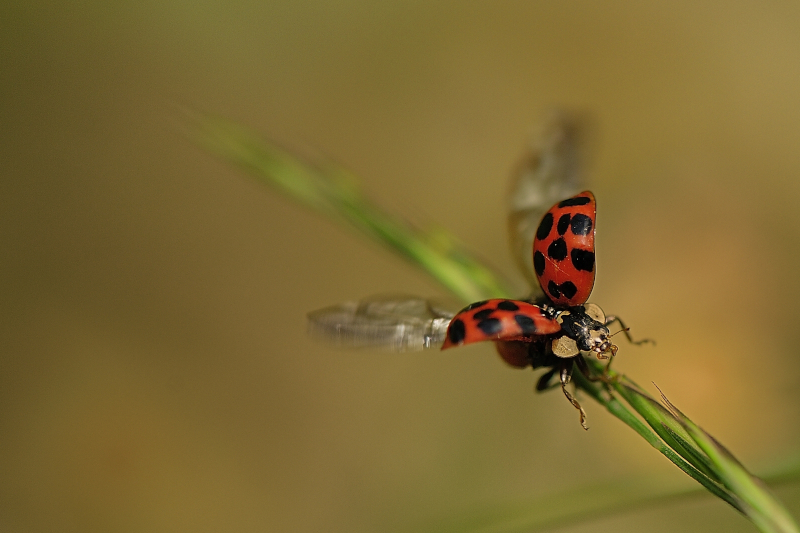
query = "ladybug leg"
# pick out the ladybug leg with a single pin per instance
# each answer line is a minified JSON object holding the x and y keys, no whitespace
{"x":565,"y":372}
{"x":544,"y":382}
{"x":587,"y":372}
{"x":605,"y":369}
{"x":608,"y":366}
{"x":612,"y":318}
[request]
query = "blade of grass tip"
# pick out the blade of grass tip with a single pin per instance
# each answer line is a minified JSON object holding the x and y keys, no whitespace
{"x":616,"y":408}
{"x":667,"y":427}
{"x":689,"y":451}
{"x":619,"y":410}
{"x":760,"y":506}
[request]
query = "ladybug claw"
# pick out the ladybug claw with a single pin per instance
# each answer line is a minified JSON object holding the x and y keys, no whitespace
{"x":566,"y":377}
{"x":576,"y":405}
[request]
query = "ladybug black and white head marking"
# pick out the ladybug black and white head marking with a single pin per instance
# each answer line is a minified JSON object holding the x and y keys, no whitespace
{"x":583,"y":332}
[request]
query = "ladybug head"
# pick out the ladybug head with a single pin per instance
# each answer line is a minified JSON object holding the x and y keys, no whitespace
{"x":599,"y":341}
{"x":589,"y":335}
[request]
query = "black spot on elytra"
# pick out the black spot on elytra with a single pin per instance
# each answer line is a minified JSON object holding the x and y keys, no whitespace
{"x":507,"y":305}
{"x":545,"y":226}
{"x":456,"y":332}
{"x":552,"y":288}
{"x":557,"y":250}
{"x":484,"y":314}
{"x":526,"y":324}
{"x":490,"y":326}
{"x":570,"y":202}
{"x":472,"y":306}
{"x":582,"y":259}
{"x":563,"y":224}
{"x":581,"y":224}
{"x":567,"y":289}
{"x":538,"y":262}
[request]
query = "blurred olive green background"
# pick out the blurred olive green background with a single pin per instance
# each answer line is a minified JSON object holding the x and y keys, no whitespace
{"x":154,"y":369}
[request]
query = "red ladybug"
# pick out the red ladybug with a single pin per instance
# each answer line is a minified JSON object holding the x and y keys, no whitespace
{"x":554,"y":331}
{"x":548,"y":331}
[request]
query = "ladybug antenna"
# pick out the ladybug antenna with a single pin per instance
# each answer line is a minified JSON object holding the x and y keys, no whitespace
{"x":626,"y":330}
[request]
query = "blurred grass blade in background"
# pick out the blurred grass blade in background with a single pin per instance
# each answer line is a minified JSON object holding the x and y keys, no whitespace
{"x":333,"y":191}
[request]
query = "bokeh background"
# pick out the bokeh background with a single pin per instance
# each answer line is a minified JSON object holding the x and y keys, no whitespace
{"x":154,"y":369}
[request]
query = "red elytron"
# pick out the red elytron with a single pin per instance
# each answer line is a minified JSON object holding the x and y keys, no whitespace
{"x":499,"y":319}
{"x":563,"y":250}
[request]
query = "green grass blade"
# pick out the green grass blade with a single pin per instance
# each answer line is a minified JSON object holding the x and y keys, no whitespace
{"x":332,"y":191}
{"x":667,"y":427}
{"x":763,"y":509}
{"x":619,"y":410}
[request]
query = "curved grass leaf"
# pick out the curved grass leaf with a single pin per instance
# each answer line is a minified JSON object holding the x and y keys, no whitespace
{"x":757,"y":501}
{"x":334,"y":192}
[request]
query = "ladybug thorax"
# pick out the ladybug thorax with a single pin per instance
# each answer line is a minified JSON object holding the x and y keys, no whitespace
{"x":589,"y":334}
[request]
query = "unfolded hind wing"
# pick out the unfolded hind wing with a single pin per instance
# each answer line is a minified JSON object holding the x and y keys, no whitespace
{"x":395,"y":323}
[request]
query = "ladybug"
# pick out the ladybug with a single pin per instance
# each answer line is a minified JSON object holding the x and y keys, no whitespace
{"x":553,"y":330}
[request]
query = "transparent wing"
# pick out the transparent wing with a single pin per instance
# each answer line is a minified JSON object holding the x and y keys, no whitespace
{"x":395,"y":323}
{"x":549,"y":173}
